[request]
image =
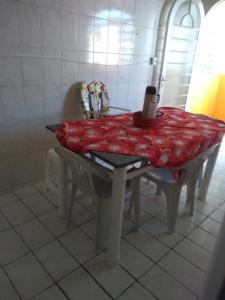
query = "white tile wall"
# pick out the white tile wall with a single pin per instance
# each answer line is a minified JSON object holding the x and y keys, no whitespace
{"x":46,"y":47}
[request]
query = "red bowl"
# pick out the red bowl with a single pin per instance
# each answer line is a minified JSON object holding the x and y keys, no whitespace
{"x":145,"y":123}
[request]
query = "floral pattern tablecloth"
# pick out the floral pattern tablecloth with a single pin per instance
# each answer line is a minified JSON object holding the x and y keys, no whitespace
{"x":177,"y":137}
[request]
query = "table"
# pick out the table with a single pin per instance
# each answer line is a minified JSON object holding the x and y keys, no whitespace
{"x":119,"y":176}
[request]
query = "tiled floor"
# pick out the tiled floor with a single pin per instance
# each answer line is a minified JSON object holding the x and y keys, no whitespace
{"x":39,"y":259}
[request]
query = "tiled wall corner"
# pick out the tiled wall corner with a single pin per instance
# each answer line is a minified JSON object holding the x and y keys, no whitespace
{"x":47,"y":46}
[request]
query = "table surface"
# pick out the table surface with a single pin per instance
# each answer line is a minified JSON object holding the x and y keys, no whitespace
{"x":115,"y":160}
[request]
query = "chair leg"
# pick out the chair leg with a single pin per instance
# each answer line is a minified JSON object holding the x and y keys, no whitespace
{"x":191,"y":194}
{"x":70,"y":206}
{"x":172,"y":194}
{"x":200,"y":176}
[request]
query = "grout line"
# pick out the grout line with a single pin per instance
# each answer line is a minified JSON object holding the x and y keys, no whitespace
{"x":80,"y":227}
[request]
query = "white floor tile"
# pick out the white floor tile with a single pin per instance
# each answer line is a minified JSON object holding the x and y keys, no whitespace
{"x":38,"y":204}
{"x":80,"y":215}
{"x":144,"y":216}
{"x":6,"y":288}
{"x":218,"y":215}
{"x":184,"y":212}
{"x":56,"y":259}
{"x":79,"y":244}
{"x":184,"y":272}
{"x":114,"y":280}
{"x":4,"y":224}
{"x":26,"y":191}
{"x":147,"y":244}
{"x":204,"y":207}
{"x":135,"y":292}
{"x":203,"y":238}
{"x":150,"y":206}
{"x":28,"y":276}
{"x":90,"y":228}
{"x":182,"y":226}
{"x":165,"y":287}
{"x":160,"y":231}
{"x":12,"y":247}
{"x":215,"y":198}
{"x":34,"y":233}
{"x":194,"y":254}
{"x":17,"y":213}
{"x":79,"y":285}
{"x":133,"y":260}
{"x":7,"y":199}
{"x":211,"y":226}
{"x":52,"y":293}
{"x":55,"y":223}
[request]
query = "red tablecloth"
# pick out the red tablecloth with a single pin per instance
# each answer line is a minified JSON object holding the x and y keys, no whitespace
{"x":178,"y":137}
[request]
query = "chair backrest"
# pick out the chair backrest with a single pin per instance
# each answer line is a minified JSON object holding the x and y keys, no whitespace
{"x":82,"y":169}
{"x":191,"y":168}
{"x":94,"y":99}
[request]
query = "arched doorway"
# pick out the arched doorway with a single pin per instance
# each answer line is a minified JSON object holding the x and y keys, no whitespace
{"x":177,"y":39}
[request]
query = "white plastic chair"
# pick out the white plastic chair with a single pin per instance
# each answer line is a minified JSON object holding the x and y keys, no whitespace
{"x":93,"y":181}
{"x":94,"y":103}
{"x":166,"y":182}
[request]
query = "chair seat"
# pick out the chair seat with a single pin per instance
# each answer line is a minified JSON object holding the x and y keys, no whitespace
{"x":103,"y":187}
{"x":162,"y":174}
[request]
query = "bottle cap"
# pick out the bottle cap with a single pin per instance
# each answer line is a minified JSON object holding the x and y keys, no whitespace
{"x":150,"y":90}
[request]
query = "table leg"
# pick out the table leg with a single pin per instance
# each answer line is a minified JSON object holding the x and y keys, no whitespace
{"x":115,"y":226}
{"x":63,"y":187}
{"x":208,"y":174}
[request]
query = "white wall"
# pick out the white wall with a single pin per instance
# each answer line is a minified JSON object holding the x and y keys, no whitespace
{"x":48,"y":45}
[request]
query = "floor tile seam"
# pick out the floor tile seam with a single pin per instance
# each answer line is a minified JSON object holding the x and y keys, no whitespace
{"x":149,"y":291}
{"x":44,"y":195}
{"x":44,"y":269}
{"x":154,"y":201}
{"x":8,"y":204}
{"x":39,"y":247}
{"x":189,"y":261}
{"x":85,"y":207}
{"x":170,"y":247}
{"x":210,"y":252}
{"x":137,"y":282}
{"x":76,"y":259}
{"x":54,"y":281}
{"x":142,"y":251}
{"x":33,"y":297}
{"x":138,"y":250}
{"x":58,"y":235}
{"x":33,"y":215}
{"x":96,"y":281}
{"x":215,"y":236}
{"x":12,"y":283}
{"x":10,"y":225}
{"x":148,"y":288}
{"x":131,"y":275}
{"x":24,"y":203}
{"x":179,"y":232}
{"x":218,"y":222}
{"x":181,"y":283}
